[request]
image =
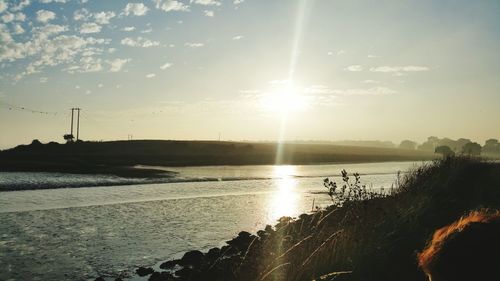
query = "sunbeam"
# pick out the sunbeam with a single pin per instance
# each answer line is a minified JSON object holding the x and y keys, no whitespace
{"x":302,"y":12}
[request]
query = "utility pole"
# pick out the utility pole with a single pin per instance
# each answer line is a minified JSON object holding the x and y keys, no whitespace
{"x":72,"y":111}
{"x":78,"y":125}
{"x":77,"y":122}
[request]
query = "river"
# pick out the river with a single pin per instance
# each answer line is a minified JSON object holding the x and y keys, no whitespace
{"x":81,"y":233}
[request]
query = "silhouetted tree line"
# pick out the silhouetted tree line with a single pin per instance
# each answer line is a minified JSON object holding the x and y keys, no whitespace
{"x":448,"y":147}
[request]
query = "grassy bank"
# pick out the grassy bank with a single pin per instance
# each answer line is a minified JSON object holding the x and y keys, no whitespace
{"x":375,"y":239}
{"x":116,"y":157}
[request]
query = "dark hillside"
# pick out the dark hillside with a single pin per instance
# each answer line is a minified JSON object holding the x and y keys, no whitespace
{"x":88,"y":157}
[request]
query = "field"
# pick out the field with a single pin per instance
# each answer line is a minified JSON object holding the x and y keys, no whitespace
{"x":117,"y":157}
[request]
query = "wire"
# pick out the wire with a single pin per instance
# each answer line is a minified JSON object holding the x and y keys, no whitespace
{"x":26,"y":109}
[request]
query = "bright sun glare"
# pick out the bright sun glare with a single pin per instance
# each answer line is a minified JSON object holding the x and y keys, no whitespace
{"x":285,"y":199}
{"x":283,"y":98}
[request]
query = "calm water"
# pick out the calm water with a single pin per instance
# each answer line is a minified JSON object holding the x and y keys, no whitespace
{"x":82,"y":233}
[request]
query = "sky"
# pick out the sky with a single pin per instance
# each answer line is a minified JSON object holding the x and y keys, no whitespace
{"x":250,"y":69}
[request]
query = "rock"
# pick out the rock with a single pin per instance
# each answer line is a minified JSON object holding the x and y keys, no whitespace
{"x":118,"y":279}
{"x":213,"y":254}
{"x":185,"y":273}
{"x":193,"y":258}
{"x":262,"y":234}
{"x":143,"y":271}
{"x":242,"y":241}
{"x":99,"y":279}
{"x":161,"y":276}
{"x":169,"y":264}
{"x":269,"y":229}
{"x":228,"y":251}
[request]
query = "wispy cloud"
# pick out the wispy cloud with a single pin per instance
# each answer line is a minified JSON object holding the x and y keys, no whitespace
{"x":45,"y":16}
{"x":103,"y":17}
{"x":128,"y":28}
{"x":117,"y":64}
{"x":136,"y":9}
{"x":166,"y":65}
{"x":90,"y":27}
{"x":172,"y":5}
{"x":207,"y":2}
{"x":376,"y":91}
{"x":139,"y":42}
{"x":193,"y":45}
{"x":354,"y":68}
{"x":406,"y":68}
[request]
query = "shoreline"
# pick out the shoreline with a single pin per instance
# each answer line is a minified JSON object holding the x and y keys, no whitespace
{"x":170,"y":177}
{"x":349,"y":242}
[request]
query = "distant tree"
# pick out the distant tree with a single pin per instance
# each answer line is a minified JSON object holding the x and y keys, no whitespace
{"x":431,"y":144}
{"x":472,"y":149}
{"x":36,"y":143}
{"x":448,"y":142}
{"x":491,"y":146}
{"x":461,"y":144}
{"x":69,"y":138}
{"x":408,"y":144}
{"x":445,"y":151}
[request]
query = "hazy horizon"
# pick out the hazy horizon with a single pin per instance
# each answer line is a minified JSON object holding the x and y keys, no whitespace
{"x":250,"y":70}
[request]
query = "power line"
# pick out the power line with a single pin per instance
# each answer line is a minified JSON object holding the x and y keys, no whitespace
{"x":26,"y":109}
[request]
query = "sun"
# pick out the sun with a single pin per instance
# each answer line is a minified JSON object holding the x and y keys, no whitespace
{"x":283,"y":98}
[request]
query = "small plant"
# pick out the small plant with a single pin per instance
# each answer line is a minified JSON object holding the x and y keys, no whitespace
{"x":349,"y":191}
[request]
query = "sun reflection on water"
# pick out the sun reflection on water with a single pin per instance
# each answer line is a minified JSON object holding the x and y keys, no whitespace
{"x":284,"y":200}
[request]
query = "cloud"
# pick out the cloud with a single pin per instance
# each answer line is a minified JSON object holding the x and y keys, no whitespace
{"x":47,"y":48}
{"x":128,"y":28}
{"x":82,"y":14}
{"x":9,"y":17}
{"x":318,"y":89}
{"x":208,"y":13}
{"x":207,"y":2}
{"x":45,"y":16}
{"x":21,"y":5}
{"x":18,"y":29}
{"x":237,"y":2}
{"x":377,"y":91}
{"x":89,"y":64}
{"x":43,"y":79}
{"x":238,"y":37}
{"x":139,"y":42}
{"x":371,"y":82}
{"x":90,"y":27}
{"x":3,"y":6}
{"x":407,"y":68}
{"x":55,"y":1}
{"x":6,"y":18}
{"x":166,"y":65}
{"x":117,"y":64}
{"x":193,"y":45}
{"x":173,"y":5}
{"x":354,"y":68}
{"x":136,"y":9}
{"x":150,"y":75}
{"x":103,"y":17}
